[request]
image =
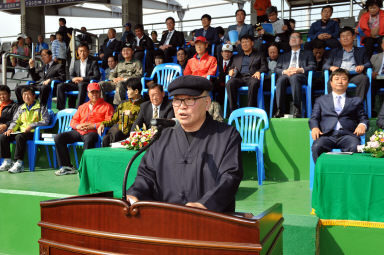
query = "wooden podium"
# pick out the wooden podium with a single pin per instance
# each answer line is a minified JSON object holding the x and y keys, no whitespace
{"x":100,"y":224}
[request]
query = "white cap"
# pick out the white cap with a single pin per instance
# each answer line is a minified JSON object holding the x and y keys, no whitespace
{"x":227,"y":47}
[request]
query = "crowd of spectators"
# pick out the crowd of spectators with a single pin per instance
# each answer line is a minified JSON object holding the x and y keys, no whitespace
{"x":209,"y":53}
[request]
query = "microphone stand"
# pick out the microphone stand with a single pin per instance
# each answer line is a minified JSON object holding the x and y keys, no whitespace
{"x":155,"y":137}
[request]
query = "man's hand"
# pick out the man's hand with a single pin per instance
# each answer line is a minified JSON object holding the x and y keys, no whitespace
{"x":28,"y":129}
{"x":101,"y":55}
{"x":118,"y":79}
{"x":316,"y":133}
{"x":3,"y":127}
{"x":128,"y":113}
{"x":132,"y":199}
{"x":333,"y":68}
{"x":77,"y":80}
{"x":85,"y":126}
{"x":284,"y":28}
{"x":360,"y":130}
{"x":31,"y":63}
{"x":231,"y":72}
{"x":100,"y":130}
{"x":196,"y":205}
{"x":46,"y":82}
{"x":8,"y":132}
{"x":290,"y":71}
{"x":359,"y":69}
{"x":257,"y":75}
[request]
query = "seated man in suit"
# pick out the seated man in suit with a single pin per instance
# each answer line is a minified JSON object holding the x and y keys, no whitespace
{"x":84,"y":126}
{"x":158,"y":107}
{"x":202,"y":64}
{"x":337,"y":121}
{"x":246,"y":70}
{"x":325,"y":29}
{"x":27,"y":117}
{"x":206,"y":31}
{"x":377,"y":61}
{"x":241,"y":27}
{"x":292,"y":69}
{"x":43,"y":76}
{"x":84,"y":70}
{"x":351,"y":58}
{"x":141,"y":43}
{"x":197,"y":163}
{"x":110,"y":45}
{"x":224,"y":61}
{"x":170,"y":40}
{"x":130,"y":68}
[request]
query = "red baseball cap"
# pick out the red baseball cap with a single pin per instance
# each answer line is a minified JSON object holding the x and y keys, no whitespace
{"x":93,"y":86}
{"x":201,"y":39}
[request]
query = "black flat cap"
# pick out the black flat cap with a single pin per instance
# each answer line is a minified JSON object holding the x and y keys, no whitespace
{"x":127,"y":45}
{"x":189,"y":85}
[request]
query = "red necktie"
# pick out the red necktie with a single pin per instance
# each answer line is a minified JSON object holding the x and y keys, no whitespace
{"x":225,"y":66}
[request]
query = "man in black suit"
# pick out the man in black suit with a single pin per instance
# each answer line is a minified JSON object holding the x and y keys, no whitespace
{"x":158,"y":107}
{"x":292,"y":69}
{"x":206,"y":31}
{"x":64,"y":30}
{"x":109,"y":46}
{"x":353,"y":59}
{"x":141,"y":43}
{"x":171,"y":39}
{"x":84,"y":38}
{"x":43,"y":76}
{"x":337,"y":121}
{"x":246,"y":70}
{"x":84,"y":70}
{"x":224,"y":61}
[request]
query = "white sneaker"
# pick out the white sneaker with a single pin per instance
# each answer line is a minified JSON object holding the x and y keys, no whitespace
{"x":64,"y":170}
{"x":6,"y":165}
{"x":16,"y":168}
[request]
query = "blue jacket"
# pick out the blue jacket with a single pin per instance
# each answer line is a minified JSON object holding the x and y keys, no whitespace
{"x":211,"y":35}
{"x":325,"y":117}
{"x":332,"y":28}
{"x":41,"y":46}
{"x":336,"y":56}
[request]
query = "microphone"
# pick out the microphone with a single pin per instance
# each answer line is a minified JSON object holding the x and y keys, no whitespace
{"x":164,"y":123}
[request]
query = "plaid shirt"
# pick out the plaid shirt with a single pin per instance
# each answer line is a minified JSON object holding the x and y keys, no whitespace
{"x":59,"y":50}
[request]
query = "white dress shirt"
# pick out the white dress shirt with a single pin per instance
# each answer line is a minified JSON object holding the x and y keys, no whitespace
{"x":297,"y":58}
{"x":169,"y":36}
{"x":83,"y":67}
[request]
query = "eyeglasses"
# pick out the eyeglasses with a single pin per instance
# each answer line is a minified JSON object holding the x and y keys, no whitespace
{"x":189,"y":101}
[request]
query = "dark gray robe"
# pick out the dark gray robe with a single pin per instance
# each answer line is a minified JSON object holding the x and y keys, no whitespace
{"x":208,"y":170}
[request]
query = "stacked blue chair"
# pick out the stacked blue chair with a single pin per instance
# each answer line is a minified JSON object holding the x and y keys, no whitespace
{"x":63,"y":118}
{"x":244,"y":90}
{"x":165,"y":74}
{"x":306,"y":89}
{"x":251,"y":123}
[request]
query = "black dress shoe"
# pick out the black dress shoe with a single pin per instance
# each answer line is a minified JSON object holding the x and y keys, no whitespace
{"x":278,"y":114}
{"x":296,"y":112}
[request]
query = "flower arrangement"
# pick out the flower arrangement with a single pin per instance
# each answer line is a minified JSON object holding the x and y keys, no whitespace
{"x":139,"y":139}
{"x":375,"y":146}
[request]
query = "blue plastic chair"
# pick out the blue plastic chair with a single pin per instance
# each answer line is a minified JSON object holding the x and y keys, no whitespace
{"x":63,"y":118}
{"x":251,"y":123}
{"x":368,"y":101}
{"x":165,"y":74}
{"x":244,"y":90}
{"x":49,"y":102}
{"x":312,"y":163}
{"x":306,"y":89}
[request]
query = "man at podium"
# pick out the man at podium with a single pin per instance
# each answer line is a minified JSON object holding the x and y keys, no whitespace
{"x":196,"y":163}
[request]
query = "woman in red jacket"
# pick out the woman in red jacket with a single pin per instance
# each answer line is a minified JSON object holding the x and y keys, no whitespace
{"x":371,"y":24}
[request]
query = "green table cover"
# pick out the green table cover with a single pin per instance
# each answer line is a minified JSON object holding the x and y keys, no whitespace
{"x":102,"y":169}
{"x":349,"y":187}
